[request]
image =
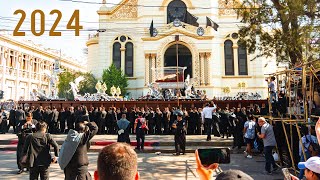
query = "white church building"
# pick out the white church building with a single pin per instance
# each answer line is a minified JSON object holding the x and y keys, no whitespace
{"x":213,"y":59}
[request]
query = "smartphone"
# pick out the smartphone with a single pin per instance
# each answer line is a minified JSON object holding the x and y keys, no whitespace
{"x":214,"y":155}
{"x":286,"y":174}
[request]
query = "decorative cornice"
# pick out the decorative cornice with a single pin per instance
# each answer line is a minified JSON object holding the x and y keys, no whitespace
{"x":232,"y":77}
{"x":166,"y":2}
{"x":92,"y":41}
{"x":126,"y":9}
{"x":36,"y":50}
{"x":177,"y":31}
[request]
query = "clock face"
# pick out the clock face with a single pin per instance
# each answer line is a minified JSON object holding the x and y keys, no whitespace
{"x":155,"y":32}
{"x":200,"y":31}
{"x":176,"y":22}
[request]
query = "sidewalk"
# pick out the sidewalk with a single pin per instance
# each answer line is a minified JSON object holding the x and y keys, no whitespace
{"x":153,"y":143}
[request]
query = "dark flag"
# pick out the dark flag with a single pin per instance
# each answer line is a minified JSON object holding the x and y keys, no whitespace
{"x":211,"y":23}
{"x":151,"y":29}
{"x":191,"y":19}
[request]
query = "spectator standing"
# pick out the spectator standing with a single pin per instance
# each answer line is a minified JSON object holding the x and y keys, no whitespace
{"x":249,"y":131}
{"x":37,"y":148}
{"x":140,"y":128}
{"x":273,"y":90}
{"x":24,"y":128}
{"x":269,"y":143}
{"x":77,"y":167}
{"x":123,"y":129}
{"x":180,"y":135}
{"x":207,"y":118}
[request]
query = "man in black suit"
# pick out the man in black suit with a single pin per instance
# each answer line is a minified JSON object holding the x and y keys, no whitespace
{"x":12,"y":119}
{"x":48,"y":118}
{"x":77,"y":167}
{"x":20,"y":115}
{"x":55,"y":125}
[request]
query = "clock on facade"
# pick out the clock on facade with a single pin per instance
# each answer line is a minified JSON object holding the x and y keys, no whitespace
{"x":200,"y":31}
{"x":177,"y":23}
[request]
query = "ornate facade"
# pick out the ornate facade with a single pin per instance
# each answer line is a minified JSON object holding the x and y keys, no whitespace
{"x":214,"y":60}
{"x":23,"y":65}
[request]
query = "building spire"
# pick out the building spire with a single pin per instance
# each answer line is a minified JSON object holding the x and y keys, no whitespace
{"x":104,"y":2}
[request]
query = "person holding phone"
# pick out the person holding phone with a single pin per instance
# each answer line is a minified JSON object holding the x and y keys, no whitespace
{"x":180,"y":134}
{"x":140,"y":128}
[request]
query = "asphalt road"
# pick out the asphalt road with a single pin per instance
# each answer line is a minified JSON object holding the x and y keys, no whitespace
{"x":151,"y":166}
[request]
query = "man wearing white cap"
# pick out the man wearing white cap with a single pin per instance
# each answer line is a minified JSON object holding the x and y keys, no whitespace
{"x":311,"y":168}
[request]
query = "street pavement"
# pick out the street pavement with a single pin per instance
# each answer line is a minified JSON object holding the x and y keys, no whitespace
{"x":151,"y":166}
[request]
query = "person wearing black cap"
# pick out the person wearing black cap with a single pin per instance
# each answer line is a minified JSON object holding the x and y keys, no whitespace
{"x":180,"y":134}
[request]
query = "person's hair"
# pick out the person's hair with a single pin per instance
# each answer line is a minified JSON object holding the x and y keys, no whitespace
{"x":117,"y":161}
{"x":262,"y":119}
{"x":317,"y":174}
{"x":124,"y":115}
{"x":80,"y":127}
{"x":273,"y":78}
{"x":233,"y":174}
{"x":41,"y":125}
{"x":29,"y":114}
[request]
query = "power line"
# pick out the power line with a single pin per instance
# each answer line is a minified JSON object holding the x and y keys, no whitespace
{"x":150,"y":6}
{"x":12,"y":19}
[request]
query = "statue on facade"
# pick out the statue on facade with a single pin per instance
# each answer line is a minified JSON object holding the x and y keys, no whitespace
{"x":98,"y":87}
{"x":189,"y":88}
{"x":113,"y":91}
{"x":74,"y":87}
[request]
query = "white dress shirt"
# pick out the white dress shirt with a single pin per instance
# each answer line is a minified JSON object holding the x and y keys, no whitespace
{"x":207,"y":112}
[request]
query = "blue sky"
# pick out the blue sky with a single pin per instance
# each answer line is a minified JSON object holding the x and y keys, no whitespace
{"x":69,"y":44}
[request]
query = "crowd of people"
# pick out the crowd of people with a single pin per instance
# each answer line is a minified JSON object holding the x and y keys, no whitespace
{"x":82,"y":124}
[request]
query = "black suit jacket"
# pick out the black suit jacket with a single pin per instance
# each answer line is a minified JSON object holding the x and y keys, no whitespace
{"x":20,"y":115}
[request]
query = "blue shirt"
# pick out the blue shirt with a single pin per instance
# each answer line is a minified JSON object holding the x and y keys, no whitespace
{"x":250,"y":129}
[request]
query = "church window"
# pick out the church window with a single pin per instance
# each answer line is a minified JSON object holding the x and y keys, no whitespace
{"x":242,"y":60}
{"x":123,"y":54}
{"x":117,"y":55}
{"x":229,"y":57}
{"x":129,"y":59}
{"x":177,"y":9}
{"x":123,"y":38}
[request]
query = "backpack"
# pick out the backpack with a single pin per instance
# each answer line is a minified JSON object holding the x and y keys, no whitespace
{"x":313,"y":146}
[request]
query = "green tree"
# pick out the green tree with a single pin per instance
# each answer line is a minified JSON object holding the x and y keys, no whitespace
{"x":64,"y":87}
{"x":115,"y":77}
{"x":85,"y":86}
{"x":88,"y":84}
{"x":285,"y":28}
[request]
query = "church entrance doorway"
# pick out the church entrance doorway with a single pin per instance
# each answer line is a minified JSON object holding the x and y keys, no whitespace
{"x":185,"y":58}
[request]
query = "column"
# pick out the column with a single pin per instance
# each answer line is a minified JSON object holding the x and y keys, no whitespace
{"x":147,"y":69}
{"x":202,"y":82}
{"x":4,"y":74}
{"x":235,"y":59}
{"x":123,"y":58}
{"x":208,"y":68}
{"x":17,"y":69}
{"x":28,"y":67}
{"x":153,"y":62}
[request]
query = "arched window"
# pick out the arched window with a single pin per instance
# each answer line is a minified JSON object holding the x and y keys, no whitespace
{"x":242,"y":60}
{"x":177,"y":9}
{"x":123,"y":59}
{"x":228,"y":57}
{"x":117,"y":55}
{"x":129,"y":59}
